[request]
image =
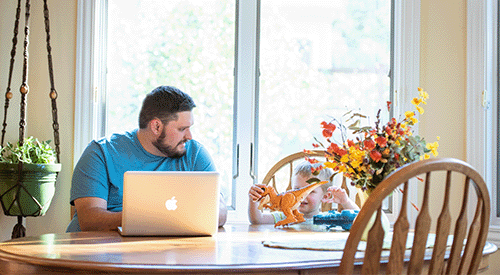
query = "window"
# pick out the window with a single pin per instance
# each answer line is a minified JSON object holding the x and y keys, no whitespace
{"x":263,"y":74}
{"x":187,"y":44}
{"x":317,"y":61}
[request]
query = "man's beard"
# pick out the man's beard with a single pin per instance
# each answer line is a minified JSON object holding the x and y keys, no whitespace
{"x":168,"y":150}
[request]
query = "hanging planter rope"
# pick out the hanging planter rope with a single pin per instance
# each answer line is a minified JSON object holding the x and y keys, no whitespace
{"x":27,"y":189}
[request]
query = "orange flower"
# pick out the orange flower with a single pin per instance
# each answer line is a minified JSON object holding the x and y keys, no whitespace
{"x":369,"y":144}
{"x":327,"y":133}
{"x":342,"y":152}
{"x":375,"y":155}
{"x":388,"y":130}
{"x":350,"y":143}
{"x":328,"y":129}
{"x":381,"y":141}
{"x":311,"y":160}
{"x":333,"y":148}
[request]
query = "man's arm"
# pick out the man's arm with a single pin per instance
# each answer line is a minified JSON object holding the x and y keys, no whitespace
{"x":94,"y":216}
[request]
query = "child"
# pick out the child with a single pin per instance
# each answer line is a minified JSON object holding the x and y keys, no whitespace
{"x":311,"y":205}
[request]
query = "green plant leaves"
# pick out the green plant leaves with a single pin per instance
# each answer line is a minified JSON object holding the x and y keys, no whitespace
{"x":32,"y":151}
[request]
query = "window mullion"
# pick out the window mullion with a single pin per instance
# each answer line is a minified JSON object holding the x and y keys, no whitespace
{"x":88,"y":60}
{"x":245,"y":104}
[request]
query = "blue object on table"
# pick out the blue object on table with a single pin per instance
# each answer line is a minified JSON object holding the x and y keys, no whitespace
{"x":333,"y":218}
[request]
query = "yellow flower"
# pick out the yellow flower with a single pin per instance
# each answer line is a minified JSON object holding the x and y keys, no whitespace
{"x":433,"y":147}
{"x":438,"y":137}
{"x":355,"y":164}
{"x":425,"y":156}
{"x":330,"y":164}
{"x":420,"y":109}
{"x":345,"y":158}
{"x":414,"y":120}
{"x":409,"y":114}
{"x":416,"y":101}
{"x":356,"y":156}
{"x":423,"y":94}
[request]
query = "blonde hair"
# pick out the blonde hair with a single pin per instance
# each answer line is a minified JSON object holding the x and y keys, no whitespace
{"x":305,"y":170}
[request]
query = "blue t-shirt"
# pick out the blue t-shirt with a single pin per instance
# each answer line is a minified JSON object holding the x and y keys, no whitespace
{"x":99,"y":172}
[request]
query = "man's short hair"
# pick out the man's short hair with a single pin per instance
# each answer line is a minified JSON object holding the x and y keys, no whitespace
{"x":164,"y":102}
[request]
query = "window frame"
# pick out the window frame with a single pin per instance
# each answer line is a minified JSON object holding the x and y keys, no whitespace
{"x":90,"y":77}
{"x":482,"y":99}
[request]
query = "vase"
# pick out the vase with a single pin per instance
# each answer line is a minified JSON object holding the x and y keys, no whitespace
{"x":33,"y":193}
{"x":386,"y":225}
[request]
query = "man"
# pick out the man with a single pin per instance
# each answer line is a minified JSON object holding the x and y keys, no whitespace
{"x":163,"y":142}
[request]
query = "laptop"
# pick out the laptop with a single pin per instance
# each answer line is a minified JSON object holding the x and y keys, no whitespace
{"x":161,"y":203}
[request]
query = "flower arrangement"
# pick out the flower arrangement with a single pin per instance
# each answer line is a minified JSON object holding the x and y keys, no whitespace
{"x":376,"y":151}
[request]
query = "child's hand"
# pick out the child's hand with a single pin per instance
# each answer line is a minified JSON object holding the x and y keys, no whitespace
{"x":335,"y":194}
{"x":256,"y":191}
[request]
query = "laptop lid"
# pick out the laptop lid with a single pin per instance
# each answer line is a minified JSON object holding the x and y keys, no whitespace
{"x":164,"y":203}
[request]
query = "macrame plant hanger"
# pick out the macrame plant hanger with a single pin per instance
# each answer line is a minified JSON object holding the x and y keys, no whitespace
{"x":19,"y":230}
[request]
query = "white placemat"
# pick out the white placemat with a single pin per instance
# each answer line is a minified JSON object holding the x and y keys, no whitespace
{"x":336,"y":242}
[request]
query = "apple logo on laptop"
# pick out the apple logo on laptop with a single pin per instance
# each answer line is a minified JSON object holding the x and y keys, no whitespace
{"x":171,"y":204}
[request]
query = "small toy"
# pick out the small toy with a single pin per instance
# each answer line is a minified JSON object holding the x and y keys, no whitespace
{"x":333,"y":218}
{"x":287,"y":202}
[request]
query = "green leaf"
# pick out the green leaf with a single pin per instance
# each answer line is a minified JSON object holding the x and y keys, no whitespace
{"x":354,"y":126}
{"x":32,"y":151}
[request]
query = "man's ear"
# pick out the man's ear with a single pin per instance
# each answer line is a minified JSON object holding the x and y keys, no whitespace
{"x":156,"y":126}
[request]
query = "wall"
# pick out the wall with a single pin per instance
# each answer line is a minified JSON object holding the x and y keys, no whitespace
{"x":443,"y":72}
{"x":63,"y":15}
{"x":443,"y":54}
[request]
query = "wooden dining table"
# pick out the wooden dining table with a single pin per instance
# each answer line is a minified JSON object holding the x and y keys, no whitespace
{"x":236,"y":248}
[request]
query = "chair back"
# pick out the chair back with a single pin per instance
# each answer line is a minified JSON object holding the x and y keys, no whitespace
{"x":459,"y":259}
{"x":288,"y":164}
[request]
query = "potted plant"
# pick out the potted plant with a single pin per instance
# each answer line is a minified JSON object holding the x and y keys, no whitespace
{"x":28,"y":173}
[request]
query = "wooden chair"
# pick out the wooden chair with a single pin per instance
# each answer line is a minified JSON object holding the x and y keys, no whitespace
{"x":289,"y":162}
{"x":456,"y":263}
